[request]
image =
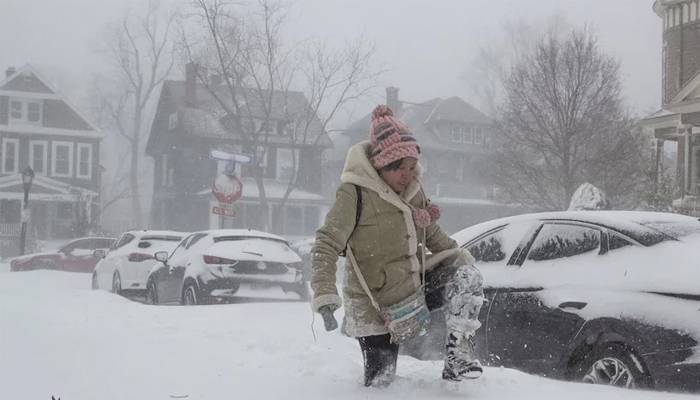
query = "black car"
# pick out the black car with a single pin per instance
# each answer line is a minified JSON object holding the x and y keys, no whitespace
{"x":600,"y":297}
{"x":210,"y":266}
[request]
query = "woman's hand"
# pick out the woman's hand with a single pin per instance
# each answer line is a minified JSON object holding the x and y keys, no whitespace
{"x":328,"y":318}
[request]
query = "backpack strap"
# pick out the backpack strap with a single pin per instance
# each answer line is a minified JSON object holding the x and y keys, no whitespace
{"x":358,"y":214}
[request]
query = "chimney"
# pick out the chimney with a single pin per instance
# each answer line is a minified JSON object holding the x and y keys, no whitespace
{"x":10,"y":71}
{"x":191,"y":83}
{"x":392,"y":99}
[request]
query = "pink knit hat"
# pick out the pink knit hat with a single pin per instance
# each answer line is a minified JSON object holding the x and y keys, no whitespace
{"x":390,"y":138}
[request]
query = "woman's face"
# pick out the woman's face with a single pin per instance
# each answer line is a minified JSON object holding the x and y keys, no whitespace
{"x":399,"y":179}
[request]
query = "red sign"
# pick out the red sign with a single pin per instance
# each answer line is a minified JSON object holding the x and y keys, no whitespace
{"x":225,"y":210}
{"x":227,"y":188}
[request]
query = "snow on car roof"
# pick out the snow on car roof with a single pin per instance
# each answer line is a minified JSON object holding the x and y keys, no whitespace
{"x":629,"y":220}
{"x":144,"y":232}
{"x":243,"y":233}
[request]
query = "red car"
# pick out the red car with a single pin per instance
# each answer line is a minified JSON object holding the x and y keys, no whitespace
{"x":76,"y":256}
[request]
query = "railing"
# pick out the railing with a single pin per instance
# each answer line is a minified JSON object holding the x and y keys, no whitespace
{"x":10,"y":229}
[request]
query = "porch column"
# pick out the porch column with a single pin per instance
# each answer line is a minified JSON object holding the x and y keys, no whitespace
{"x":658,"y":162}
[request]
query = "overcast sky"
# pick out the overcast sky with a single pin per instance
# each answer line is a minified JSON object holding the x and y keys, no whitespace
{"x":425,"y":45}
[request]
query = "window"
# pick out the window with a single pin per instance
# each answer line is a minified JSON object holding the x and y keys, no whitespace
{"x":172,"y":121}
{"x":10,"y":149}
{"x":693,"y":11}
{"x":676,"y":16}
{"x":467,"y":136}
{"x":164,"y":170}
{"x":84,"y":160}
{"x":685,"y":14}
{"x":37,"y":156}
{"x":488,"y":248}
{"x":33,"y":112}
{"x":62,"y":159}
{"x":563,"y":240}
{"x":456,"y":134}
{"x":123,"y":241}
{"x":16,"y":110}
{"x":286,"y":160}
{"x":195,"y":238}
{"x":478,"y":135}
{"x":25,"y":111}
{"x":615,"y":242}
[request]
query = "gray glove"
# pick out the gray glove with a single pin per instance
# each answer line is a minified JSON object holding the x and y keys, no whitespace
{"x":328,"y":319}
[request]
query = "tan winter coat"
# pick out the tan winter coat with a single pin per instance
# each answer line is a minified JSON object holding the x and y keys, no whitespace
{"x":385,"y":244}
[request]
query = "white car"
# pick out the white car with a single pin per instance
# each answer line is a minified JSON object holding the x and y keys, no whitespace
{"x":125,"y":268}
{"x":210,"y":266}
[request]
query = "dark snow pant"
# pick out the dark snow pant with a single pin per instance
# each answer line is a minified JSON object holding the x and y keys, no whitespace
{"x":456,"y":289}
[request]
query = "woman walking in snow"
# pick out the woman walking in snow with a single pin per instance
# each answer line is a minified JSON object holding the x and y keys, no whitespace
{"x":383,"y":217}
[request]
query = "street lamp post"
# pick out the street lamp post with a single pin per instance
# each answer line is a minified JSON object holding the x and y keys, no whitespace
{"x":27,"y":178}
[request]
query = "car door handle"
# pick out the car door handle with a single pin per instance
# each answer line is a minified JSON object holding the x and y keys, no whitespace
{"x":579,"y":305}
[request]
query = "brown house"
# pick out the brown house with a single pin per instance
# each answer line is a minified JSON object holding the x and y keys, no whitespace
{"x":189,"y":124}
{"x":678,"y":120}
{"x":39,"y":128}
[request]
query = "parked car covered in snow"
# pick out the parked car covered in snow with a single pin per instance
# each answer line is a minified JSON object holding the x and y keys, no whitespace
{"x":75,"y":256}
{"x":125,"y":267}
{"x":211,"y":265}
{"x":600,"y":297}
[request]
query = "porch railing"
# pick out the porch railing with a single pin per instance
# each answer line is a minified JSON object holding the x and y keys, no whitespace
{"x":10,"y":229}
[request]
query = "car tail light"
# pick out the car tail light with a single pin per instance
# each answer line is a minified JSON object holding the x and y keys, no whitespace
{"x":138,"y":257}
{"x":217,"y":260}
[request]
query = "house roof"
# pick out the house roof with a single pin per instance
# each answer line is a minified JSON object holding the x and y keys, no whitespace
{"x":29,"y":83}
{"x":422,"y":117}
{"x":207,"y":118}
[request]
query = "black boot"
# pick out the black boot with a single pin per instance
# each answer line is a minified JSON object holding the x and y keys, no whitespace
{"x":380,"y":357}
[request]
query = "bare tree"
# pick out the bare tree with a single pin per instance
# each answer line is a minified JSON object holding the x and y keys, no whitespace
{"x":245,"y":65}
{"x":140,"y":53}
{"x":563,"y":123}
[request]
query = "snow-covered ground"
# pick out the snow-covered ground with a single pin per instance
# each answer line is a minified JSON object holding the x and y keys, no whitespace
{"x":58,"y":337}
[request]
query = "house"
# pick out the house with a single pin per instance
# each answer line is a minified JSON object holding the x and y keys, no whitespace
{"x":189,"y":123}
{"x":678,"y":121}
{"x":455,"y":139}
{"x":39,"y":128}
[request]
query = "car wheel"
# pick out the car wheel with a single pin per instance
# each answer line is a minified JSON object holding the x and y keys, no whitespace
{"x":116,"y":283}
{"x":189,"y":295}
{"x":151,"y":293}
{"x":613,"y":364}
{"x":95,"y":286}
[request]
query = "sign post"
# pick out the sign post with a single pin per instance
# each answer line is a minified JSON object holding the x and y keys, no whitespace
{"x":227,"y":188}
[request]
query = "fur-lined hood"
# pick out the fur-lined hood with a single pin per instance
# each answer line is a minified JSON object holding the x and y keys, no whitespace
{"x":358,"y":170}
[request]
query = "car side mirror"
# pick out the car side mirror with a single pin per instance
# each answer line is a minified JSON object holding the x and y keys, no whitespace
{"x":99,"y":253}
{"x":161,"y":256}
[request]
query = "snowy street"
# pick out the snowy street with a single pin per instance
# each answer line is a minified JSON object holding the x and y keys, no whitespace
{"x":58,"y":337}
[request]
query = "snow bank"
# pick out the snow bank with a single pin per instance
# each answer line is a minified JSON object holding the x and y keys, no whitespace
{"x":60,"y":338}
